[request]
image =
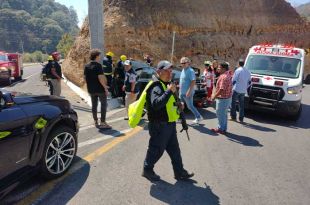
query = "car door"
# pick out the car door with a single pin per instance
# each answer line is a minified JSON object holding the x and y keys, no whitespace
{"x":14,"y":138}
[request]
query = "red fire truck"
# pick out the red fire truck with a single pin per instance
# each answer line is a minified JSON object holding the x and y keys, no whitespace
{"x":11,"y":67}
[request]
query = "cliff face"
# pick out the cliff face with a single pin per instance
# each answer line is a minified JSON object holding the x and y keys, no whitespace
{"x":204,"y":28}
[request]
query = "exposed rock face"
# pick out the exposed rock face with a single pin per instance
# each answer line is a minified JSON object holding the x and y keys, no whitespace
{"x":204,"y":28}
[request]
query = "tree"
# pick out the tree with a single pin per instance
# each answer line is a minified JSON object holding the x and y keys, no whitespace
{"x":65,"y":44}
{"x":39,"y":24}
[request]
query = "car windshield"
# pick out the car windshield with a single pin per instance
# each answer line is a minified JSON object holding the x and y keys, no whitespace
{"x":274,"y":66}
{"x":176,"y":74}
{"x":3,"y":57}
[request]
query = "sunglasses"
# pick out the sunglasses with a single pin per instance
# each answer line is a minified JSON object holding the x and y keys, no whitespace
{"x":184,"y":63}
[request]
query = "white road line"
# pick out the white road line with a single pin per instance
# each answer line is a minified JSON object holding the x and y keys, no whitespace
{"x":102,"y":137}
{"x":109,"y":121}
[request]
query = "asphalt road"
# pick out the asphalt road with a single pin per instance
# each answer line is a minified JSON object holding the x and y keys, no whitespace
{"x":265,"y":161}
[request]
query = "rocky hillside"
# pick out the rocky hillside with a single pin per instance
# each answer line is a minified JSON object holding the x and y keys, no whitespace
{"x":204,"y":28}
{"x":304,"y":10}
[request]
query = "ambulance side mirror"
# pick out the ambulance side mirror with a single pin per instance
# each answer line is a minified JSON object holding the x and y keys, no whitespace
{"x":307,"y":80}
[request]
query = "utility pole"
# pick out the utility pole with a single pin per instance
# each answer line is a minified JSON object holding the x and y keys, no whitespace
{"x":172,"y":50}
{"x":96,"y":24}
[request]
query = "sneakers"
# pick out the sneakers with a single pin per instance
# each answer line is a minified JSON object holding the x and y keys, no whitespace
{"x":232,"y":119}
{"x":197,"y":120}
{"x":218,"y":131}
{"x":104,"y":125}
{"x":184,"y":175}
{"x":150,"y":175}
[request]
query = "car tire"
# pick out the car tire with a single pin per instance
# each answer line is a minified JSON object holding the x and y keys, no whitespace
{"x":19,"y":78}
{"x":296,"y":116}
{"x":59,"y":152}
{"x":8,"y":82}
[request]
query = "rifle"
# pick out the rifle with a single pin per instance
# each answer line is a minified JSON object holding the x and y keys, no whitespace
{"x":182,"y":116}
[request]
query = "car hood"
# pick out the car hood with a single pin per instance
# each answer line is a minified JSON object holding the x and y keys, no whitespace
{"x":25,"y":98}
{"x":4,"y":63}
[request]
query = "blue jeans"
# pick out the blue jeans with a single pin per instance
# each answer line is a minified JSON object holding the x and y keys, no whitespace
{"x":240,"y":97}
{"x":221,"y":112}
{"x":190,"y":104}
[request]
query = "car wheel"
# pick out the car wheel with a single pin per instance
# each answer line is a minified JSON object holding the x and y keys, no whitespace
{"x":19,"y":78}
{"x":8,"y":81}
{"x":59,"y":151}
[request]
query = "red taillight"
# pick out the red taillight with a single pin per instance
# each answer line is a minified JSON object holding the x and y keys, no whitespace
{"x":255,"y":80}
{"x":278,"y":83}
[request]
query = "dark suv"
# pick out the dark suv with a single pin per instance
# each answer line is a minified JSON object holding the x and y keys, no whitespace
{"x":36,"y":133}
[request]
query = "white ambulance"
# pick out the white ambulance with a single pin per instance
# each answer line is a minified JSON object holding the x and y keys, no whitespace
{"x":277,"y":79}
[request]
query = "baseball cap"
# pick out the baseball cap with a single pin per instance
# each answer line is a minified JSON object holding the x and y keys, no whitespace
{"x":127,"y":62}
{"x":163,"y":65}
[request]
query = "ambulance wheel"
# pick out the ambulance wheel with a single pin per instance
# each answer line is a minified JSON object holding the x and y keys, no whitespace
{"x":296,"y":116}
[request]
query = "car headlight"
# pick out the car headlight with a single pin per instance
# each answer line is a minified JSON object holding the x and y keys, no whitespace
{"x":294,"y":90}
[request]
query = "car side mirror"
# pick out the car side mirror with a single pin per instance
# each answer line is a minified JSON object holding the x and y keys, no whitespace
{"x":307,"y":80}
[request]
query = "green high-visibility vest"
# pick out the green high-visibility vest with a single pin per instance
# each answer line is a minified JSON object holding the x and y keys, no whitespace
{"x":135,"y":109}
{"x":172,"y":109}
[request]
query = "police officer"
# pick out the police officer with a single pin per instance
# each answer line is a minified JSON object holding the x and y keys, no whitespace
{"x":54,"y":73}
{"x":108,"y":67}
{"x":162,"y":116}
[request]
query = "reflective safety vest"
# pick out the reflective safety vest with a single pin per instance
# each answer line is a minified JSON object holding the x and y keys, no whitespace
{"x":135,"y":109}
{"x":171,"y":107}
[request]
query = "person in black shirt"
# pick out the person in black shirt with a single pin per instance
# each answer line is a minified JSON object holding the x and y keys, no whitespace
{"x":97,"y":87}
{"x":160,"y":103}
{"x":119,"y":77}
{"x":55,"y":74}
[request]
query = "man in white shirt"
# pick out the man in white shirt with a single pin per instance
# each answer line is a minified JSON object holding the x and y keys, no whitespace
{"x":241,"y":82}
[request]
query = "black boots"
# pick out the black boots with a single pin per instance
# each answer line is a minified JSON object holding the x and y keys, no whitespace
{"x":184,"y":175}
{"x":150,"y":175}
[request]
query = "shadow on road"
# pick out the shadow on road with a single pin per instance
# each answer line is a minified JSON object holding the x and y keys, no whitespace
{"x":183,"y":192}
{"x":69,"y":187}
{"x":246,"y":141}
{"x":63,"y":189}
{"x":258,"y":127}
{"x":203,"y":129}
{"x":206,"y":114}
{"x":14,"y":82}
{"x":275,"y":119}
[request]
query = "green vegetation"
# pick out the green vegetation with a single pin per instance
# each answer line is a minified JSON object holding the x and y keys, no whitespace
{"x":34,"y":57}
{"x":65,"y":44}
{"x":36,"y":25}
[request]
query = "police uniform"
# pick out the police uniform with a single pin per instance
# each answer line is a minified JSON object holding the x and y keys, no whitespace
{"x":162,"y":116}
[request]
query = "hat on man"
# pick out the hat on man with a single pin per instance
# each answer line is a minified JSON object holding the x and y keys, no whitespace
{"x":127,"y":62}
{"x":163,"y":65}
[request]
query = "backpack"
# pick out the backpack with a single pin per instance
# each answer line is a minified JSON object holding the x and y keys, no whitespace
{"x":135,"y":109}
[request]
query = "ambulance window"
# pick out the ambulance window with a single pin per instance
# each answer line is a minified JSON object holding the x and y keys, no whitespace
{"x":274,"y":66}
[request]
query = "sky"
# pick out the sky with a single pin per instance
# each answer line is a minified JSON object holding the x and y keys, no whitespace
{"x":81,"y":6}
